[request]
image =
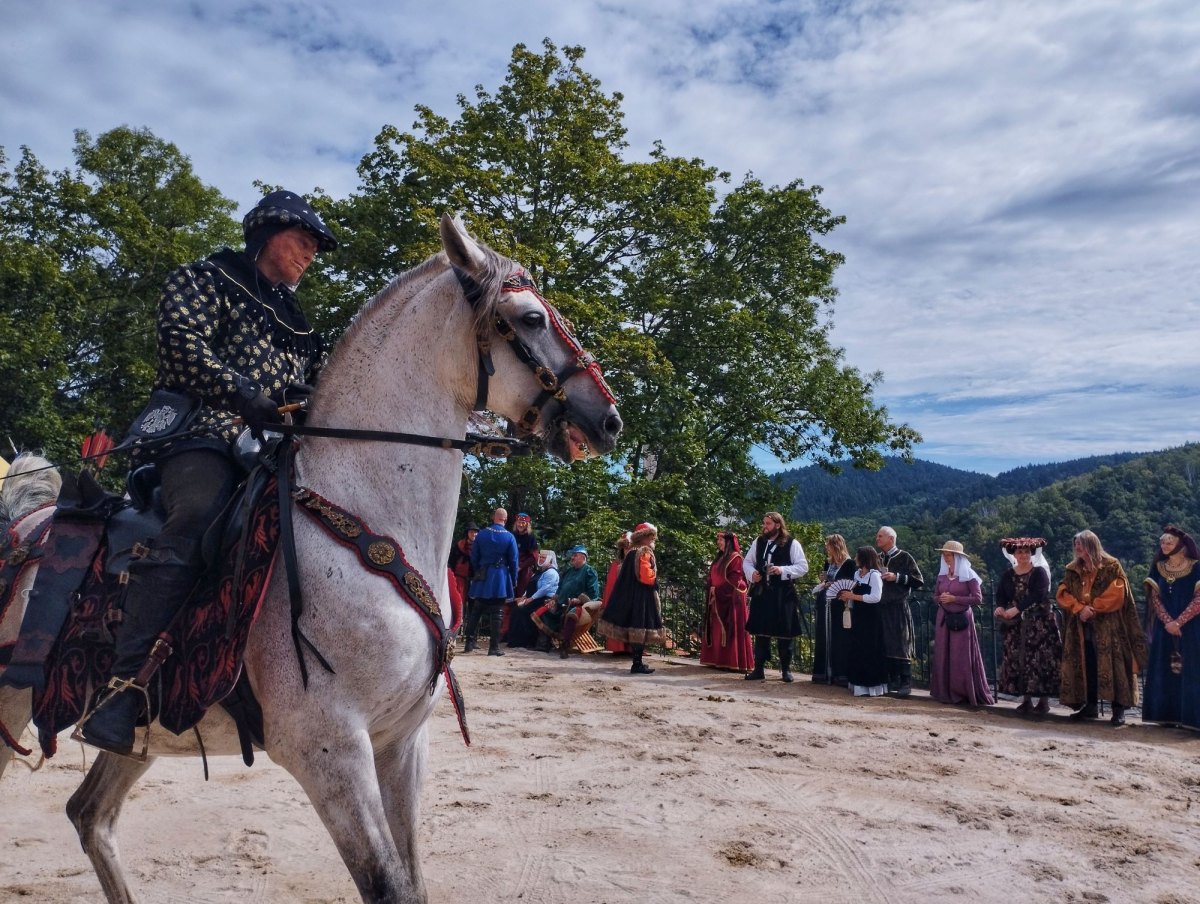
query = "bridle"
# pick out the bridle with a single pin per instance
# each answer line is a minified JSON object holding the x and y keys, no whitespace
{"x":552,"y":383}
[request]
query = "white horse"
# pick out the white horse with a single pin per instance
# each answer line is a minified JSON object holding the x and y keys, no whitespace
{"x":355,"y":739}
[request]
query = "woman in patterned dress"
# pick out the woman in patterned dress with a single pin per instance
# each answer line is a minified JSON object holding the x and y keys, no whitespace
{"x":1026,"y":615}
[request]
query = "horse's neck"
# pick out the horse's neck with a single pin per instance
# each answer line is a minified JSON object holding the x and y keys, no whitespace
{"x":406,"y":365}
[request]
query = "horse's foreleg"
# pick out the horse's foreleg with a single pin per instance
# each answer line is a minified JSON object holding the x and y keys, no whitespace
{"x":16,"y":709}
{"x":401,"y":770}
{"x":337,"y":772}
{"x":94,"y":808}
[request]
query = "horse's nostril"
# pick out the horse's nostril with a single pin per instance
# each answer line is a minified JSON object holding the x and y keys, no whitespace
{"x":613,"y":424}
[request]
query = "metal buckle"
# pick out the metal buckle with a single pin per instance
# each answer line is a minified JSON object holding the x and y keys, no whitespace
{"x":529,"y":419}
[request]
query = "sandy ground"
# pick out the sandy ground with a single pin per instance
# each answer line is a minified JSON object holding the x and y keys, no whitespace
{"x":586,"y":784}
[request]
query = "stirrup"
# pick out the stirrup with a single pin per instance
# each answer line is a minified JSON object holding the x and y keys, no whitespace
{"x":115,"y":686}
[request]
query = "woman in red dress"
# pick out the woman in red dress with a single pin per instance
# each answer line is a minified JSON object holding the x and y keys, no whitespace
{"x":726,"y":644}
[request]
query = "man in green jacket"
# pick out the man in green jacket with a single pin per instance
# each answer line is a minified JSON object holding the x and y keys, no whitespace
{"x":577,"y":585}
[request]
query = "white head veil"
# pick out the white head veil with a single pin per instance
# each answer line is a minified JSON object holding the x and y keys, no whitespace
{"x":1038,"y":560}
{"x":962,"y":569}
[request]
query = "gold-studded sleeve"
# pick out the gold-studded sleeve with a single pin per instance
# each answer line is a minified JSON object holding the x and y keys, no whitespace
{"x":190,"y":314}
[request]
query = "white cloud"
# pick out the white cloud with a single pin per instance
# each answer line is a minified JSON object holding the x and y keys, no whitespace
{"x":1020,"y":179}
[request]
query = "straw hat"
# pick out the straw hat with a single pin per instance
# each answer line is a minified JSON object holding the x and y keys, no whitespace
{"x":953,"y":546}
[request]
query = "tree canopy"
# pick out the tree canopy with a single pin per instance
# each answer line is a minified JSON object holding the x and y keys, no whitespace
{"x":708,"y":303}
{"x":85,"y":255}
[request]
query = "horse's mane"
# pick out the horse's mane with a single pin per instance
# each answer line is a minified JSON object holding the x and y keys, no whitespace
{"x":23,"y":491}
{"x":496,"y":269}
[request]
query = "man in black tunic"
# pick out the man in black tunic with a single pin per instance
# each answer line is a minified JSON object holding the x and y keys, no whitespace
{"x":774,"y":562}
{"x":231,"y":335}
{"x":901,"y":576}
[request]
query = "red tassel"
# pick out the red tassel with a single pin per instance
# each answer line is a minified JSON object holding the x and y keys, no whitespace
{"x":99,"y":444}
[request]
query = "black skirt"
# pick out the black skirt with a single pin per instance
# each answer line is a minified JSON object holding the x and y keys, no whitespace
{"x":775,"y":611}
{"x":866,"y":660}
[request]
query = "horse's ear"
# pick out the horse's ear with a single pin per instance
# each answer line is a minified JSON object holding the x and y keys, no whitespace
{"x":462,"y":250}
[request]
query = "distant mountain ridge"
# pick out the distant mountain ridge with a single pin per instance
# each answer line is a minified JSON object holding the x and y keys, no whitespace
{"x":903,"y":491}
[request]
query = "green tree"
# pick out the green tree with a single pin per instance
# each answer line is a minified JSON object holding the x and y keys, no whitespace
{"x":709,"y":305}
{"x":86,"y":251}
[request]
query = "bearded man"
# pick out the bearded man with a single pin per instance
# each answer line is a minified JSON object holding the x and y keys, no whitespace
{"x":774,"y":562}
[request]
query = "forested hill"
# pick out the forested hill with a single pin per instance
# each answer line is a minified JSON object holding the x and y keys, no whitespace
{"x":902,"y":491}
{"x":1126,"y":504}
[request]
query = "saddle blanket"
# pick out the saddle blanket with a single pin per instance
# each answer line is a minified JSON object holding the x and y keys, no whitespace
{"x":208,"y":638}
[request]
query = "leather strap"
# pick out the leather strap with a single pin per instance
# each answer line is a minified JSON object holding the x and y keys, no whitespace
{"x":475,"y":444}
{"x":287,"y":539}
{"x":382,"y":555}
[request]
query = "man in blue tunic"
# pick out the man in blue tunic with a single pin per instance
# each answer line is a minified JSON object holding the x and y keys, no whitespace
{"x":493,"y":579}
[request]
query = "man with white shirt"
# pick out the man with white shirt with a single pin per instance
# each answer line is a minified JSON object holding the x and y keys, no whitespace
{"x":774,"y":562}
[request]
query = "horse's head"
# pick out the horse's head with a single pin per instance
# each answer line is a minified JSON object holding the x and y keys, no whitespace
{"x":543,"y":379}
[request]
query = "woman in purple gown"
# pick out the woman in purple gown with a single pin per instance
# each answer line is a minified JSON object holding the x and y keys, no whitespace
{"x":957,"y":675}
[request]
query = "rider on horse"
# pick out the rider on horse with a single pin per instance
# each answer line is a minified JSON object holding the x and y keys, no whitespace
{"x":231,"y":335}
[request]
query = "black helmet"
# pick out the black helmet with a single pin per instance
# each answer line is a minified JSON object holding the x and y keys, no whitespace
{"x":282,"y":209}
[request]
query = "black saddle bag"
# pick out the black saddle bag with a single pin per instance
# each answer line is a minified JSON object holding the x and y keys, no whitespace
{"x":166,"y":414}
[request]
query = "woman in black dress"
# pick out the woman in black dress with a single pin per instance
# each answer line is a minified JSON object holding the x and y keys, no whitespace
{"x":1025,"y":612}
{"x":866,"y":662}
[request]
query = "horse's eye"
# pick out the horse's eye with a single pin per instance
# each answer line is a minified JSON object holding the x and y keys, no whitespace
{"x":534,"y":319}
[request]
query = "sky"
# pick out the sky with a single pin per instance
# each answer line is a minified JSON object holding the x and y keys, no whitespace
{"x":1020,"y":178}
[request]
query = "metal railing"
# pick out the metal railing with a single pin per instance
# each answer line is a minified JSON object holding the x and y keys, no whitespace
{"x":683,"y":613}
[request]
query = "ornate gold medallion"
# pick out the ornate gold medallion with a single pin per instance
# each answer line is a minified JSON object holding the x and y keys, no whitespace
{"x":381,"y":552}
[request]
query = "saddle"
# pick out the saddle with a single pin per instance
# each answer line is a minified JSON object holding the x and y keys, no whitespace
{"x":64,"y":650}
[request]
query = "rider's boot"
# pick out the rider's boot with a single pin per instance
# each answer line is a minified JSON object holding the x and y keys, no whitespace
{"x":159,"y":585}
